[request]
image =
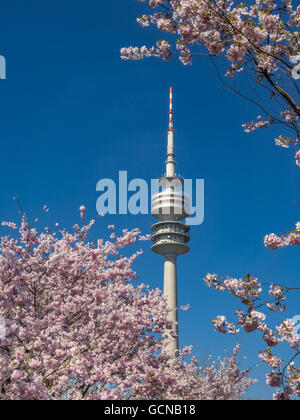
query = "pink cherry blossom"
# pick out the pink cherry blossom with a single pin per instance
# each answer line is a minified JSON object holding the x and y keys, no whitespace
{"x":252,"y":293}
{"x":79,"y":326}
{"x":82,"y":212}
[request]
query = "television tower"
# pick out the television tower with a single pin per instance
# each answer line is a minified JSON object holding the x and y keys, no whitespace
{"x":170,"y":236}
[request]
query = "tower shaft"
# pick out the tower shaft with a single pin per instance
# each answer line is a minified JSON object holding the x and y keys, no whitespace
{"x":170,"y":293}
{"x":170,"y":163}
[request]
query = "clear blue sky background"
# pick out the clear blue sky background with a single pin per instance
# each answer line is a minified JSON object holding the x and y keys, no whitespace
{"x":72,"y":113}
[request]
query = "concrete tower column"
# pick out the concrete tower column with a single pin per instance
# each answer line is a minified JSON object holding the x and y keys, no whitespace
{"x":170,"y":293}
{"x":170,"y":162}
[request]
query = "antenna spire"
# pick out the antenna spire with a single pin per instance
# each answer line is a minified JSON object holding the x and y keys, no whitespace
{"x":171,"y":125}
{"x":170,"y":162}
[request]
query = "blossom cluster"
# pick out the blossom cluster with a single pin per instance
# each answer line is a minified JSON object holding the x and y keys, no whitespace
{"x":260,"y":123}
{"x":273,"y":241}
{"x":250,"y":292}
{"x":78,"y":325}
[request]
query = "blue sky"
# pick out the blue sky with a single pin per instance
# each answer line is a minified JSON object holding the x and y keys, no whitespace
{"x":72,"y":113}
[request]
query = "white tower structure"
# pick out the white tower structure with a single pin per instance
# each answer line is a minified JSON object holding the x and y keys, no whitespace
{"x":170,"y":236}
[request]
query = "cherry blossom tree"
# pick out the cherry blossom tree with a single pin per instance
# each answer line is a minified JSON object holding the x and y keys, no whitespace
{"x":77,"y":324}
{"x":267,"y":297}
{"x":259,"y":38}
{"x":285,"y":375}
